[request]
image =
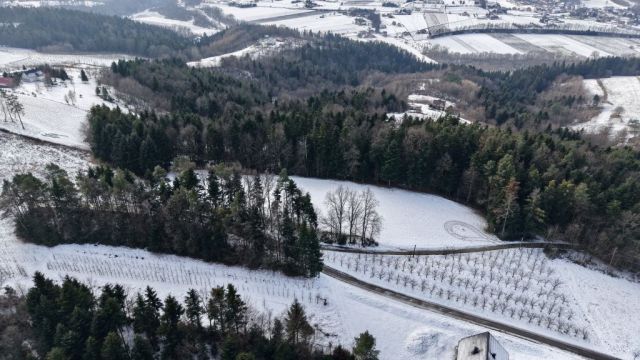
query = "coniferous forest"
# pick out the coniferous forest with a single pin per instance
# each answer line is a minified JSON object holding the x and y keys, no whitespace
{"x":548,"y":183}
{"x":223,"y":218}
{"x":68,"y":320}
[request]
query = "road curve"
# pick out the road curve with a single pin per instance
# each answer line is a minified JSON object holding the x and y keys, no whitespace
{"x":471,"y":249}
{"x":464,"y":316}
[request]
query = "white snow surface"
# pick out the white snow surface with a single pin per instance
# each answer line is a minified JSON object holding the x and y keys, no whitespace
{"x":49,"y":117}
{"x":562,"y":43}
{"x":263,"y":11}
{"x":336,"y":23}
{"x":605,"y":307}
{"x":620,"y":111}
{"x":155,"y":18}
{"x":15,"y":58}
{"x":474,"y":43}
{"x":410,"y":218}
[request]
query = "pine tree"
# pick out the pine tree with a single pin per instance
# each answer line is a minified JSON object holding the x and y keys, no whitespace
{"x":236,"y":310}
{"x":391,"y":169}
{"x":139,"y":315}
{"x":142,"y":349}
{"x":153,"y":304}
{"x":56,"y":354}
{"x":365,"y":347}
{"x":91,"y":349}
{"x":109,"y":317}
{"x":113,"y":349}
{"x":298,"y":328}
{"x":189,"y":180}
{"x":83,"y":76}
{"x":213,"y":189}
{"x":310,"y":246}
{"x":216,"y":309}
{"x":194,"y":309}
{"x":170,"y":329}
{"x":534,"y":215}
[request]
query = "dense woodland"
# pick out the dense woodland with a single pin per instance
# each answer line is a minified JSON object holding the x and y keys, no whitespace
{"x":223,"y":218}
{"x":69,"y":321}
{"x":62,"y":30}
{"x":548,"y":183}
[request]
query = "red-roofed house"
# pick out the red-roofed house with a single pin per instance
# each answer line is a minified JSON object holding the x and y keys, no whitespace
{"x":6,"y":82}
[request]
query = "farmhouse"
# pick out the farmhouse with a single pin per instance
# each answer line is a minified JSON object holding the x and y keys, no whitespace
{"x":481,"y":346}
{"x":6,"y":82}
{"x":32,"y":75}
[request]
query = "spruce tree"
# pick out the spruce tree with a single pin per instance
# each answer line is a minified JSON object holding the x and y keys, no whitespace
{"x":365,"y":347}
{"x":153,"y":304}
{"x":236,"y":310}
{"x":298,"y":328}
{"x":113,"y":349}
{"x":194,"y":309}
{"x":216,"y":308}
{"x":142,"y":349}
{"x":170,"y":329}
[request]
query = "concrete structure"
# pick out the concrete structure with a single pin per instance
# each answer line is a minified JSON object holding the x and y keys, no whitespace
{"x":481,"y":346}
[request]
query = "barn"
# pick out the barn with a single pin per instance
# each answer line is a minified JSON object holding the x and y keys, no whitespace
{"x":481,"y":346}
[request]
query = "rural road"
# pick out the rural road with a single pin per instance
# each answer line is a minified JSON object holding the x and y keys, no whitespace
{"x":464,"y":316}
{"x":472,"y":249}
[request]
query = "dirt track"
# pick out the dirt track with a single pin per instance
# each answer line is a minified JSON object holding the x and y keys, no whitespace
{"x":513,"y":245}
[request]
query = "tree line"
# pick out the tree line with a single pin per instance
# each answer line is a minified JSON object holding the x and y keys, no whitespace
{"x":258,"y":222}
{"x":68,"y":321}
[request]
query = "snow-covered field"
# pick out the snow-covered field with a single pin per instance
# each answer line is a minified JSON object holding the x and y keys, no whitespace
{"x":522,"y":288}
{"x":265,"y":10}
{"x":517,"y":286}
{"x":571,"y":45}
{"x":474,"y":43}
{"x":154,"y":18}
{"x":562,"y":43}
{"x":412,"y":219}
{"x":15,"y":58}
{"x":620,"y":106}
{"x":51,"y":115}
{"x":336,"y":23}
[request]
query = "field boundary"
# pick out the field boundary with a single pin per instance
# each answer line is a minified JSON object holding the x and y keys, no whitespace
{"x":464,"y":250}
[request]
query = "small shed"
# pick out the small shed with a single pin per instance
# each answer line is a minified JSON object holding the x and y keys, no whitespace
{"x":481,"y":346}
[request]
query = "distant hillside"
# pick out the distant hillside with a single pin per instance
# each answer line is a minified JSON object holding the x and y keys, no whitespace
{"x":69,"y":30}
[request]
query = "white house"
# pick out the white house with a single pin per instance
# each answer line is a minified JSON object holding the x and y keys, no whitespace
{"x":481,"y":346}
